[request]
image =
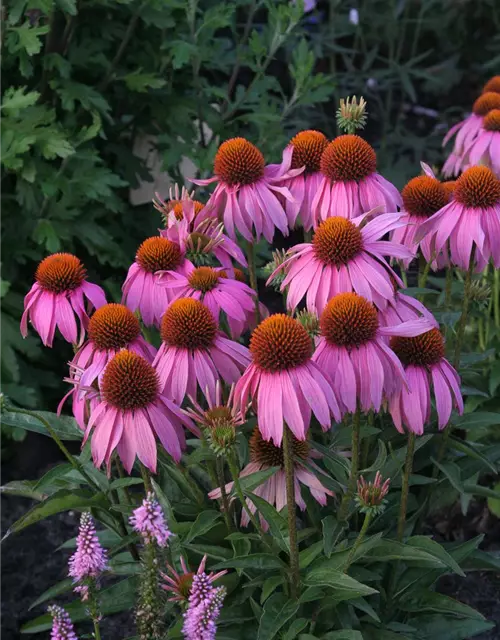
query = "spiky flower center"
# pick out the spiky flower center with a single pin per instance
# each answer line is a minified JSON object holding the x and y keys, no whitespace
{"x":239,"y":162}
{"x":491,"y":121}
{"x":492,"y":85}
{"x":219,"y":416}
{"x":478,"y":187}
{"x":239,"y":275}
{"x":425,"y":349}
{"x":349,"y":320}
{"x":348,"y":158}
{"x":188,"y":324}
{"x":113,"y":326}
{"x":177,"y":206}
{"x":268,"y":454}
{"x":486,"y":103}
{"x":280,"y":342}
{"x":308,"y":147}
{"x":423,"y":196}
{"x":204,"y":279}
{"x":449,"y":187}
{"x":337,"y":241}
{"x":60,"y":272}
{"x":129,"y":382}
{"x":158,"y":254}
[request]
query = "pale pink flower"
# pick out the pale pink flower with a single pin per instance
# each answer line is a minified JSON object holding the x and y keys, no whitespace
{"x":283,"y":382}
{"x":264,"y":455}
{"x":351,"y":185}
{"x":149,"y":521}
{"x":426,"y":369}
{"x":469,"y":223}
{"x":344,"y":255}
{"x":90,"y":558}
{"x":180,"y":583}
{"x":194,"y":353}
{"x":57,"y":296}
{"x":141,"y":289}
{"x":247,"y":194}
{"x":132,"y":411}
{"x":353,"y":353}
{"x":62,"y":627}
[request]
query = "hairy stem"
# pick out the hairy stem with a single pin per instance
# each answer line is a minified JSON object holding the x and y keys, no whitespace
{"x":405,"y":486}
{"x":290,"y":499}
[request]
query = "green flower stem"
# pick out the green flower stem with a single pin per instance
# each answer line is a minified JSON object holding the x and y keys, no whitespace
{"x":121,"y":473}
{"x":448,"y":288}
{"x":410,"y":451}
{"x":496,"y":297}
{"x":225,"y":500}
{"x":351,"y":487}
{"x":424,"y":268}
{"x":97,"y":631}
{"x":73,"y":461}
{"x":359,"y":540}
{"x":252,"y":271}
{"x":146,"y":479}
{"x":290,"y":499}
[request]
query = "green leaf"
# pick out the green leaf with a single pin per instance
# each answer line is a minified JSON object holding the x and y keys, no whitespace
{"x":295,"y":628}
{"x":344,"y":587}
{"x":388,"y":550}
{"x":212,"y":551}
{"x":254,"y":480}
{"x":425,"y":600}
{"x":64,"y":426}
{"x":119,"y":483}
{"x":23,"y":488}
{"x":332,"y":533}
{"x":379,"y":461}
{"x":479,"y":490}
{"x":29,"y":37}
{"x":258,"y":561}
{"x":68,"y":6}
{"x":309,"y":554}
{"x":452,"y":472}
{"x":494,"y":503}
{"x":205,"y":521}
{"x":477,"y":419}
{"x":278,"y":609}
{"x":141,"y":82}
{"x":345,"y":634}
{"x":362,"y":605}
{"x":270,"y":584}
{"x":47,"y":480}
{"x":59,"y":501}
{"x":435,"y":549}
{"x":471,"y":449}
{"x":164,"y":503}
{"x":15,"y":99}
{"x":277,"y":524}
{"x":54,"y":591}
{"x":447,"y":628}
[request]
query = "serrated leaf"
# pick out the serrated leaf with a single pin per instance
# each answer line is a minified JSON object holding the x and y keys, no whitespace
{"x":15,"y":99}
{"x":278,"y":609}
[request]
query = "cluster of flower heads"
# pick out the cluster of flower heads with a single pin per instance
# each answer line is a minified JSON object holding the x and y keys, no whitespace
{"x":360,"y":342}
{"x":149,"y":521}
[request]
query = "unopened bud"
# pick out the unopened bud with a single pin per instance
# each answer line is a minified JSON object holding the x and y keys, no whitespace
{"x":351,"y":114}
{"x":371,"y":495}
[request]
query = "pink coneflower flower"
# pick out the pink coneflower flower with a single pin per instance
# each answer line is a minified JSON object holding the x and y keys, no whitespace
{"x":132,"y":412}
{"x":353,"y":353}
{"x":141,"y":289}
{"x":83,"y":400}
{"x":90,"y":558}
{"x":264,"y":455}
{"x":283,"y":381}
{"x":351,"y":185}
{"x":217,"y":292}
{"x":148,"y":520}
{"x":57,"y":296}
{"x":467,"y":132}
{"x":422,"y":197}
{"x":111,"y":328}
{"x":344,"y":256}
{"x":194,"y":352}
{"x":62,"y":627}
{"x":425,"y":367}
{"x":485,"y":149}
{"x":246,"y":195}
{"x":180,"y":583}
{"x":470,"y":222}
{"x":403,"y":308}
{"x":307,"y":149}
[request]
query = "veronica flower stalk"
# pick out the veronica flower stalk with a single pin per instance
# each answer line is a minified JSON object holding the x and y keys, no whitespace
{"x":62,"y":627}
{"x":205,"y":603}
{"x":179,"y":584}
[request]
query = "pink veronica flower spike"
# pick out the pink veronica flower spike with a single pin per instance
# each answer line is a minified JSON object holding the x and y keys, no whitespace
{"x":57,"y":296}
{"x":180,"y":583}
{"x":217,"y":292}
{"x":194,"y":353}
{"x":247,"y":193}
{"x":264,"y":455}
{"x":132,"y":412}
{"x":351,"y":185}
{"x":344,"y":256}
{"x":283,"y":381}
{"x":469,"y":223}
{"x":353,"y":353}
{"x":427,"y":370}
{"x":141,"y":289}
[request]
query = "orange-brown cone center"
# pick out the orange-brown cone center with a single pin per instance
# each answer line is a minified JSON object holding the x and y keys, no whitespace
{"x":449,"y":186}
{"x":426,"y":349}
{"x":486,"y":103}
{"x":158,"y":254}
{"x":113,"y":326}
{"x":337,"y":241}
{"x":280,"y":342}
{"x":204,"y":279}
{"x":268,"y":454}
{"x":491,"y":121}
{"x":188,"y":324}
{"x":423,"y":196}
{"x":129,"y":382}
{"x":347,"y":158}
{"x":177,"y":206}
{"x":478,"y":187}
{"x":492,"y":85}
{"x":239,"y":162}
{"x":308,"y":147}
{"x":349,"y":320}
{"x":60,"y":272}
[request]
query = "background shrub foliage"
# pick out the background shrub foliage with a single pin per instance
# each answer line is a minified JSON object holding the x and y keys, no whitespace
{"x":82,"y":82}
